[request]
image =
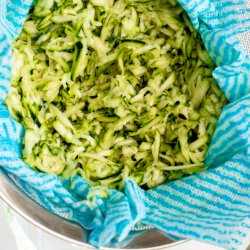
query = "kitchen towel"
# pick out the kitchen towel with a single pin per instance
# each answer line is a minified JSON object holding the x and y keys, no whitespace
{"x":213,"y":206}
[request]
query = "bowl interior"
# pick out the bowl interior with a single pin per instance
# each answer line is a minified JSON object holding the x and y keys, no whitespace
{"x":69,"y":231}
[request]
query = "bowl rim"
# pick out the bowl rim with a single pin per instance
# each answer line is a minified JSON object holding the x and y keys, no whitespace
{"x":36,"y":214}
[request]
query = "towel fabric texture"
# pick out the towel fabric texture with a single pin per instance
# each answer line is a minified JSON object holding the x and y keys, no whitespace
{"x":213,"y":206}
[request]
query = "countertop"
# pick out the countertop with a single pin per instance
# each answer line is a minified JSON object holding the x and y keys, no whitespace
{"x":6,"y":237}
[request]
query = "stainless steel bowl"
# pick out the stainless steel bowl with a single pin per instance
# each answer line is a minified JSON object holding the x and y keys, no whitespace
{"x":64,"y":229}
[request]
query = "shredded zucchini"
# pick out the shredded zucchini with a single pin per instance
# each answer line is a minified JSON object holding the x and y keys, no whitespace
{"x":111,"y":89}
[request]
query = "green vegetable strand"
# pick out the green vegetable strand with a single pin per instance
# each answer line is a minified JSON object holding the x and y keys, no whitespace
{"x":111,"y":89}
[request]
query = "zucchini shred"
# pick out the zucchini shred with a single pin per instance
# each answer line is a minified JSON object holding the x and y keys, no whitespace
{"x":113,"y":89}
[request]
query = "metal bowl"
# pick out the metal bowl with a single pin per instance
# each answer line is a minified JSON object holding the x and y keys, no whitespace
{"x":66,"y":230}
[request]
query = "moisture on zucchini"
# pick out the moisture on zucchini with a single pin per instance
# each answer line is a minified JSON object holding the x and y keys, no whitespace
{"x":111,"y":89}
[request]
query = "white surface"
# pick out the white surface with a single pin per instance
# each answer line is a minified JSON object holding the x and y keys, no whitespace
{"x":28,"y":237}
{"x":6,"y":237}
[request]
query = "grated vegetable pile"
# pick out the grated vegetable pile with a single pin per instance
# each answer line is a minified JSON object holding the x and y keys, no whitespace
{"x":110,"y":89}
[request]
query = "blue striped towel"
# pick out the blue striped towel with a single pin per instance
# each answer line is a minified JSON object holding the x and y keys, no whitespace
{"x":213,"y":206}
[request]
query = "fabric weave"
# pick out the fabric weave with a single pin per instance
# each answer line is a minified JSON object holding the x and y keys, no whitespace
{"x":213,"y":206}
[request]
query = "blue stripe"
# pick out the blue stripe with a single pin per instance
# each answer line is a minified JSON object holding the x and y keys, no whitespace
{"x":194,"y":217}
{"x":226,"y":176}
{"x":3,"y":50}
{"x":184,"y":202}
{"x":204,"y":199}
{"x":229,"y":118}
{"x":123,"y":208}
{"x":243,"y":88}
{"x":2,"y":38}
{"x":112,"y":220}
{"x":191,"y":224}
{"x":178,"y":231}
{"x":227,"y":154}
{"x":233,"y":191}
{"x":225,"y":219}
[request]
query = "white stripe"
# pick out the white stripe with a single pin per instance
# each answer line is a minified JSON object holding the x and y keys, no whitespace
{"x":201,"y":193}
{"x":226,"y":116}
{"x":189,"y":198}
{"x":243,"y":137}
